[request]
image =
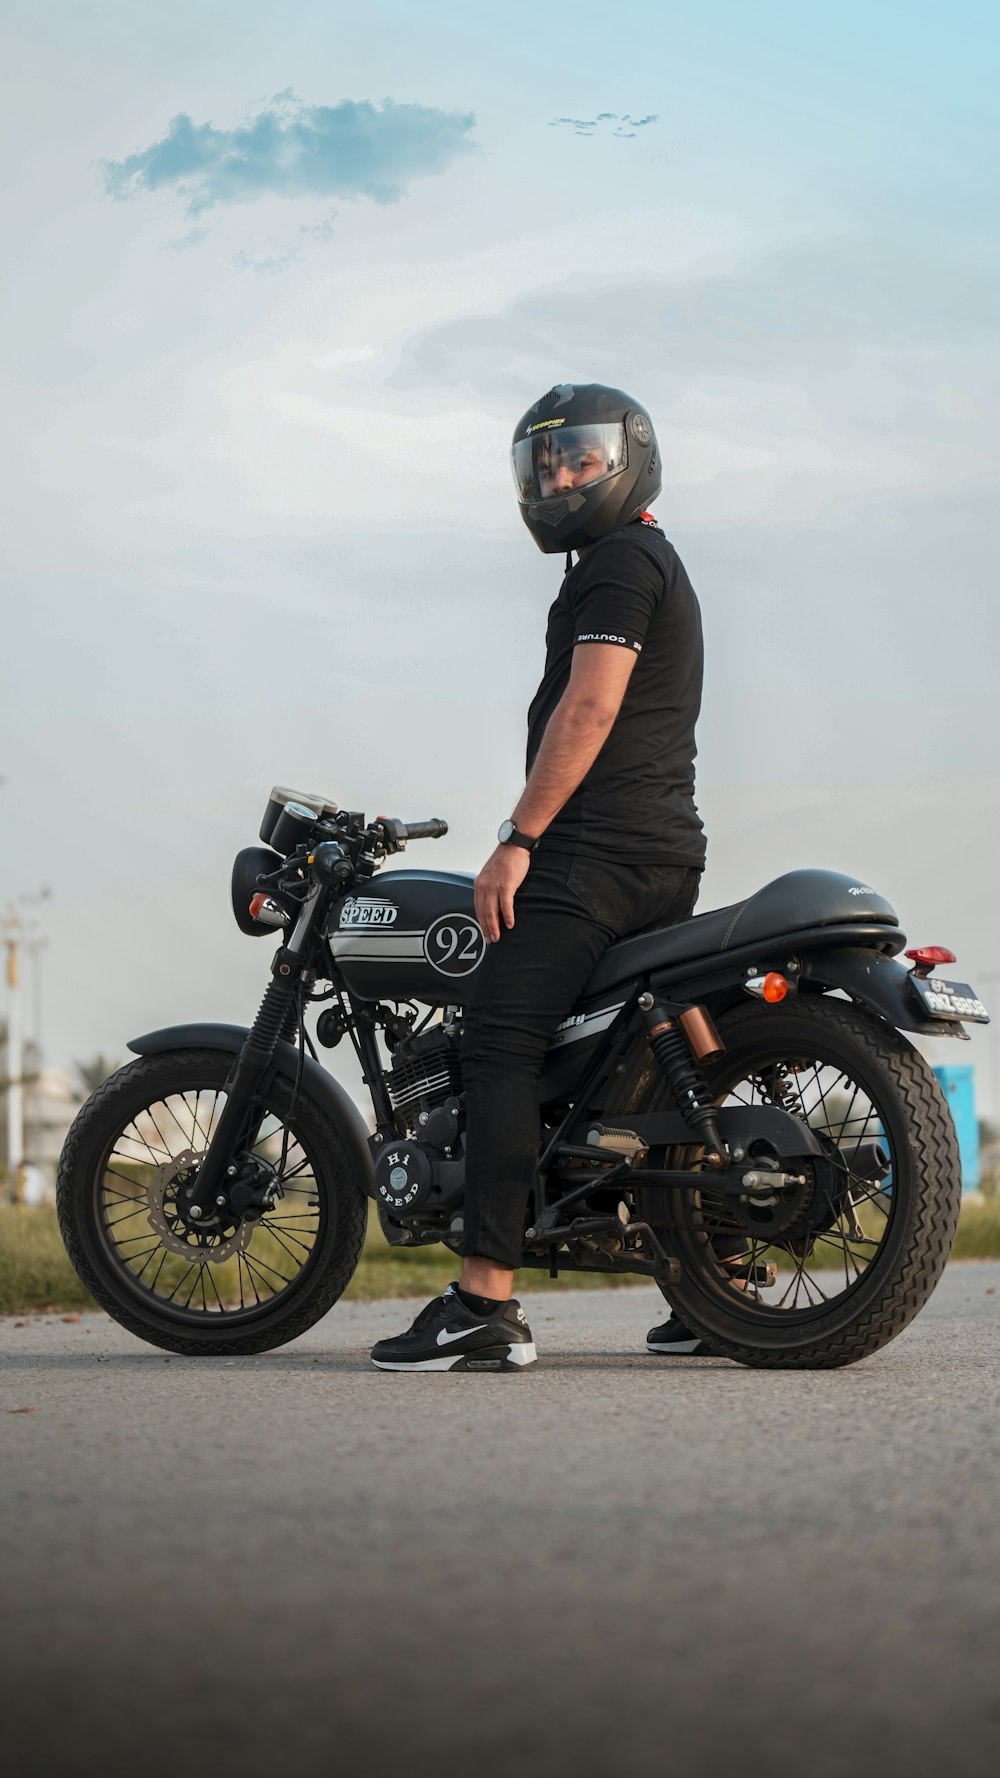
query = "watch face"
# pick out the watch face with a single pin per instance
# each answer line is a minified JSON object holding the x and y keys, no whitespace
{"x":505,"y":830}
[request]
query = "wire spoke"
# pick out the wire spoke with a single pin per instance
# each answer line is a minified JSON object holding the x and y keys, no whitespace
{"x":211,"y":1273}
{"x":168,"y":1151}
{"x":122,"y":1241}
{"x":154,"y":1250}
{"x":147,"y":1254}
{"x":114,"y":1171}
{"x":243,"y":1262}
{"x":169,"y":1107}
{"x":306,"y":1246}
{"x":112,"y":1222}
{"x":142,"y":1142}
{"x":295,"y":1172}
{"x":194,"y":1286}
{"x":154,"y":1280}
{"x":263,"y":1268}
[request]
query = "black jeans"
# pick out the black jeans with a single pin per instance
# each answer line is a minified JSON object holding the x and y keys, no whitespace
{"x":567,"y":911}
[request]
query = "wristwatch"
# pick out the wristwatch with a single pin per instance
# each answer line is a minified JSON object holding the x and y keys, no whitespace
{"x":508,"y":835}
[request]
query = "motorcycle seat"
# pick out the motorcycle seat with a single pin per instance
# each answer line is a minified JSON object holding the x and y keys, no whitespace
{"x":789,"y":904}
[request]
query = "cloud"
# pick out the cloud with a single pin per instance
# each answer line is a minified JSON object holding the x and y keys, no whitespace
{"x":585,"y":126}
{"x":806,"y":380}
{"x":288,"y":149}
{"x":802,"y":307}
{"x":267,"y":265}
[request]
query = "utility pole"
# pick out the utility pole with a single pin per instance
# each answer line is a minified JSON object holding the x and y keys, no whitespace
{"x":15,"y":1063}
{"x":35,"y":945}
{"x":14,"y":935}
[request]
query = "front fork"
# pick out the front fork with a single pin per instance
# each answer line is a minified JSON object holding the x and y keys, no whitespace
{"x":276,"y":1019}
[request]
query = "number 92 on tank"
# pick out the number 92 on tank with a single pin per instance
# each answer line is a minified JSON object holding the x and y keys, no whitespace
{"x":413,"y":934}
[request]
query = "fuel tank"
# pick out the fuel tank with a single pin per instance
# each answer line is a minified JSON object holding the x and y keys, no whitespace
{"x":409,"y":935}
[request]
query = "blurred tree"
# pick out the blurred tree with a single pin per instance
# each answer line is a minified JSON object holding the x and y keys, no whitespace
{"x":90,"y":1075}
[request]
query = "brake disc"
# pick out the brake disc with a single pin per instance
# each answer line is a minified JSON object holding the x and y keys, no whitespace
{"x":209,"y":1245}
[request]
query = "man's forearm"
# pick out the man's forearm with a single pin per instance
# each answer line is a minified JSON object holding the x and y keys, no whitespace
{"x":574,"y":736}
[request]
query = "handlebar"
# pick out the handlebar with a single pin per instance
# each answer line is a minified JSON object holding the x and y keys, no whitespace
{"x":335,"y":863}
{"x":434,"y":829}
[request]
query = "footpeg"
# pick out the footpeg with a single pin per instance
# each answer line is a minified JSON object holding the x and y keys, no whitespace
{"x":617,"y":1141}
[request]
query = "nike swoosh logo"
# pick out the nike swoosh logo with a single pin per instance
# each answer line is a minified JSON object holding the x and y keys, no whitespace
{"x":445,"y":1339}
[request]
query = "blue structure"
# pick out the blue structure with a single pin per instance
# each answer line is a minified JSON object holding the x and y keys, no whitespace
{"x":957,"y":1085}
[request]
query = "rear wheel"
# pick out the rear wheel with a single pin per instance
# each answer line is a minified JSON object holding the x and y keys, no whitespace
{"x":859,"y":1245}
{"x":264,"y":1271}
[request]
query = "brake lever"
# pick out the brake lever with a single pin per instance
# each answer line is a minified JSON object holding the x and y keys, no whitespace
{"x":276,"y":879}
{"x":390,"y":834}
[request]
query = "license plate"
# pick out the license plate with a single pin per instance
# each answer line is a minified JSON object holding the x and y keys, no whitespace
{"x":949,"y":1000}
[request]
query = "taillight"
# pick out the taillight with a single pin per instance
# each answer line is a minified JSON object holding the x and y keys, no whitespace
{"x":925,"y":956}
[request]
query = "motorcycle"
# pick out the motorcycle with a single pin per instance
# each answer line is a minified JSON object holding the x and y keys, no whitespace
{"x":732,"y":1110}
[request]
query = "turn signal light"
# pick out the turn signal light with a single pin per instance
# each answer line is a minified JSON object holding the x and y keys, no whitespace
{"x":928,"y":955}
{"x":256,"y":903}
{"x":772,"y":987}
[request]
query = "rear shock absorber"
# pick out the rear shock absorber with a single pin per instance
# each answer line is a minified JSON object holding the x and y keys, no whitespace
{"x":675,"y":1033}
{"x":776,"y":1088}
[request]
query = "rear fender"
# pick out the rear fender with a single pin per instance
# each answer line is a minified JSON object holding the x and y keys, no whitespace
{"x":334,"y":1099}
{"x":881,"y":984}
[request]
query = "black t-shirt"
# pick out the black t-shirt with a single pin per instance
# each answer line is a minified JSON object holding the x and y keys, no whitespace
{"x":637,"y":800}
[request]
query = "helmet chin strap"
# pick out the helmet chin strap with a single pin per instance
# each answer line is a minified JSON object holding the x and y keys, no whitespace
{"x":569,"y":561}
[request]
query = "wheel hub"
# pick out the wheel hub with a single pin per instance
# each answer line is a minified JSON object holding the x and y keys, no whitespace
{"x":209,"y":1243}
{"x":781,"y":1211}
{"x":795,"y":1215}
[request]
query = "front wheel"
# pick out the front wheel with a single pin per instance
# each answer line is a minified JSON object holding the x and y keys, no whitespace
{"x":264,"y":1271}
{"x":856,"y":1249}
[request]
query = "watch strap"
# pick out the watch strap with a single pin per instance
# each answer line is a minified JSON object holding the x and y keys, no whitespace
{"x":515,"y":838}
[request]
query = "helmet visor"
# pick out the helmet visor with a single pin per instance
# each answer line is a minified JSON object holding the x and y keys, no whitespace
{"x":556,"y":459}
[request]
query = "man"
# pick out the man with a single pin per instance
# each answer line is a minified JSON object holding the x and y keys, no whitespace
{"x":604,"y":840}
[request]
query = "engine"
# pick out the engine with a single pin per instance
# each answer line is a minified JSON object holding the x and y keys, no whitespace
{"x":426,"y":1070}
{"x":425,"y":1168}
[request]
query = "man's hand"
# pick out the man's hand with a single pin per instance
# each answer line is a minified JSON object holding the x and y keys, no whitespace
{"x":496,"y":886}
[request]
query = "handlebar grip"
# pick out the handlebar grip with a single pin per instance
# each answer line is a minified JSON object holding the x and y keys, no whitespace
{"x":433,"y":829}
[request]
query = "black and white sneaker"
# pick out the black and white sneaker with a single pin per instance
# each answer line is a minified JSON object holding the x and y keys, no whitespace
{"x":447,"y":1336}
{"x":677,"y":1341}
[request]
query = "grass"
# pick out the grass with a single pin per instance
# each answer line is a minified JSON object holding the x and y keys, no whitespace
{"x":35,"y":1273}
{"x":979,"y":1231}
{"x":34,"y":1270}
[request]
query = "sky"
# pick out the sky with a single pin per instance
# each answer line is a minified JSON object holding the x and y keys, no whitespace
{"x":277,"y":283}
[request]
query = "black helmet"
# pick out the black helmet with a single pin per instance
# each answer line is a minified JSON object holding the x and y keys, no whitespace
{"x":585,"y":462}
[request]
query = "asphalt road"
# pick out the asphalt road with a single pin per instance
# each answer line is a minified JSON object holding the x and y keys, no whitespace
{"x":611,"y":1564}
